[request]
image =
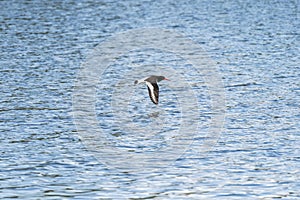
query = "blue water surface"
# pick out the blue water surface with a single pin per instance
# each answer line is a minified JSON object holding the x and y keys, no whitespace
{"x":255,"y":45}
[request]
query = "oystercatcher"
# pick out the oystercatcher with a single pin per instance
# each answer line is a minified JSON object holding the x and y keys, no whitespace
{"x":151,"y":83}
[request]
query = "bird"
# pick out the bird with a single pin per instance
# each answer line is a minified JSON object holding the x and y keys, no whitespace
{"x":153,"y":88}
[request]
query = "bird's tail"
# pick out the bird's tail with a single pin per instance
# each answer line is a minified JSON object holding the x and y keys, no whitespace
{"x":139,"y":81}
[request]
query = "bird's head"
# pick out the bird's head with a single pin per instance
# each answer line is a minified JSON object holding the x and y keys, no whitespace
{"x":160,"y":78}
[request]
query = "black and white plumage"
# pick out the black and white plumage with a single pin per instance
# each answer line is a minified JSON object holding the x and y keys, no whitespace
{"x":153,"y":88}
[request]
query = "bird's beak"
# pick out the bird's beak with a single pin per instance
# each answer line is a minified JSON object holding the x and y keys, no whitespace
{"x":166,"y":79}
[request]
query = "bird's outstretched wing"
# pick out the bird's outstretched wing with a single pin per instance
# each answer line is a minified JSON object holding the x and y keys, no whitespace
{"x":153,"y":91}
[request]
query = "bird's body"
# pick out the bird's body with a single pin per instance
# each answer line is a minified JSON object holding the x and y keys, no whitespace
{"x":153,"y":88}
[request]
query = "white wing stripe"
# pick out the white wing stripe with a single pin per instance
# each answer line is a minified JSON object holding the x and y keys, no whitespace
{"x":152,"y":91}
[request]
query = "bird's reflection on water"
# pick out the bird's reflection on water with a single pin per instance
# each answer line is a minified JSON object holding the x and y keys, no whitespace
{"x":154,"y":114}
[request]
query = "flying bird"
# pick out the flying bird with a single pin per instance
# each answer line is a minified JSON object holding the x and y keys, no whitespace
{"x":151,"y":83}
